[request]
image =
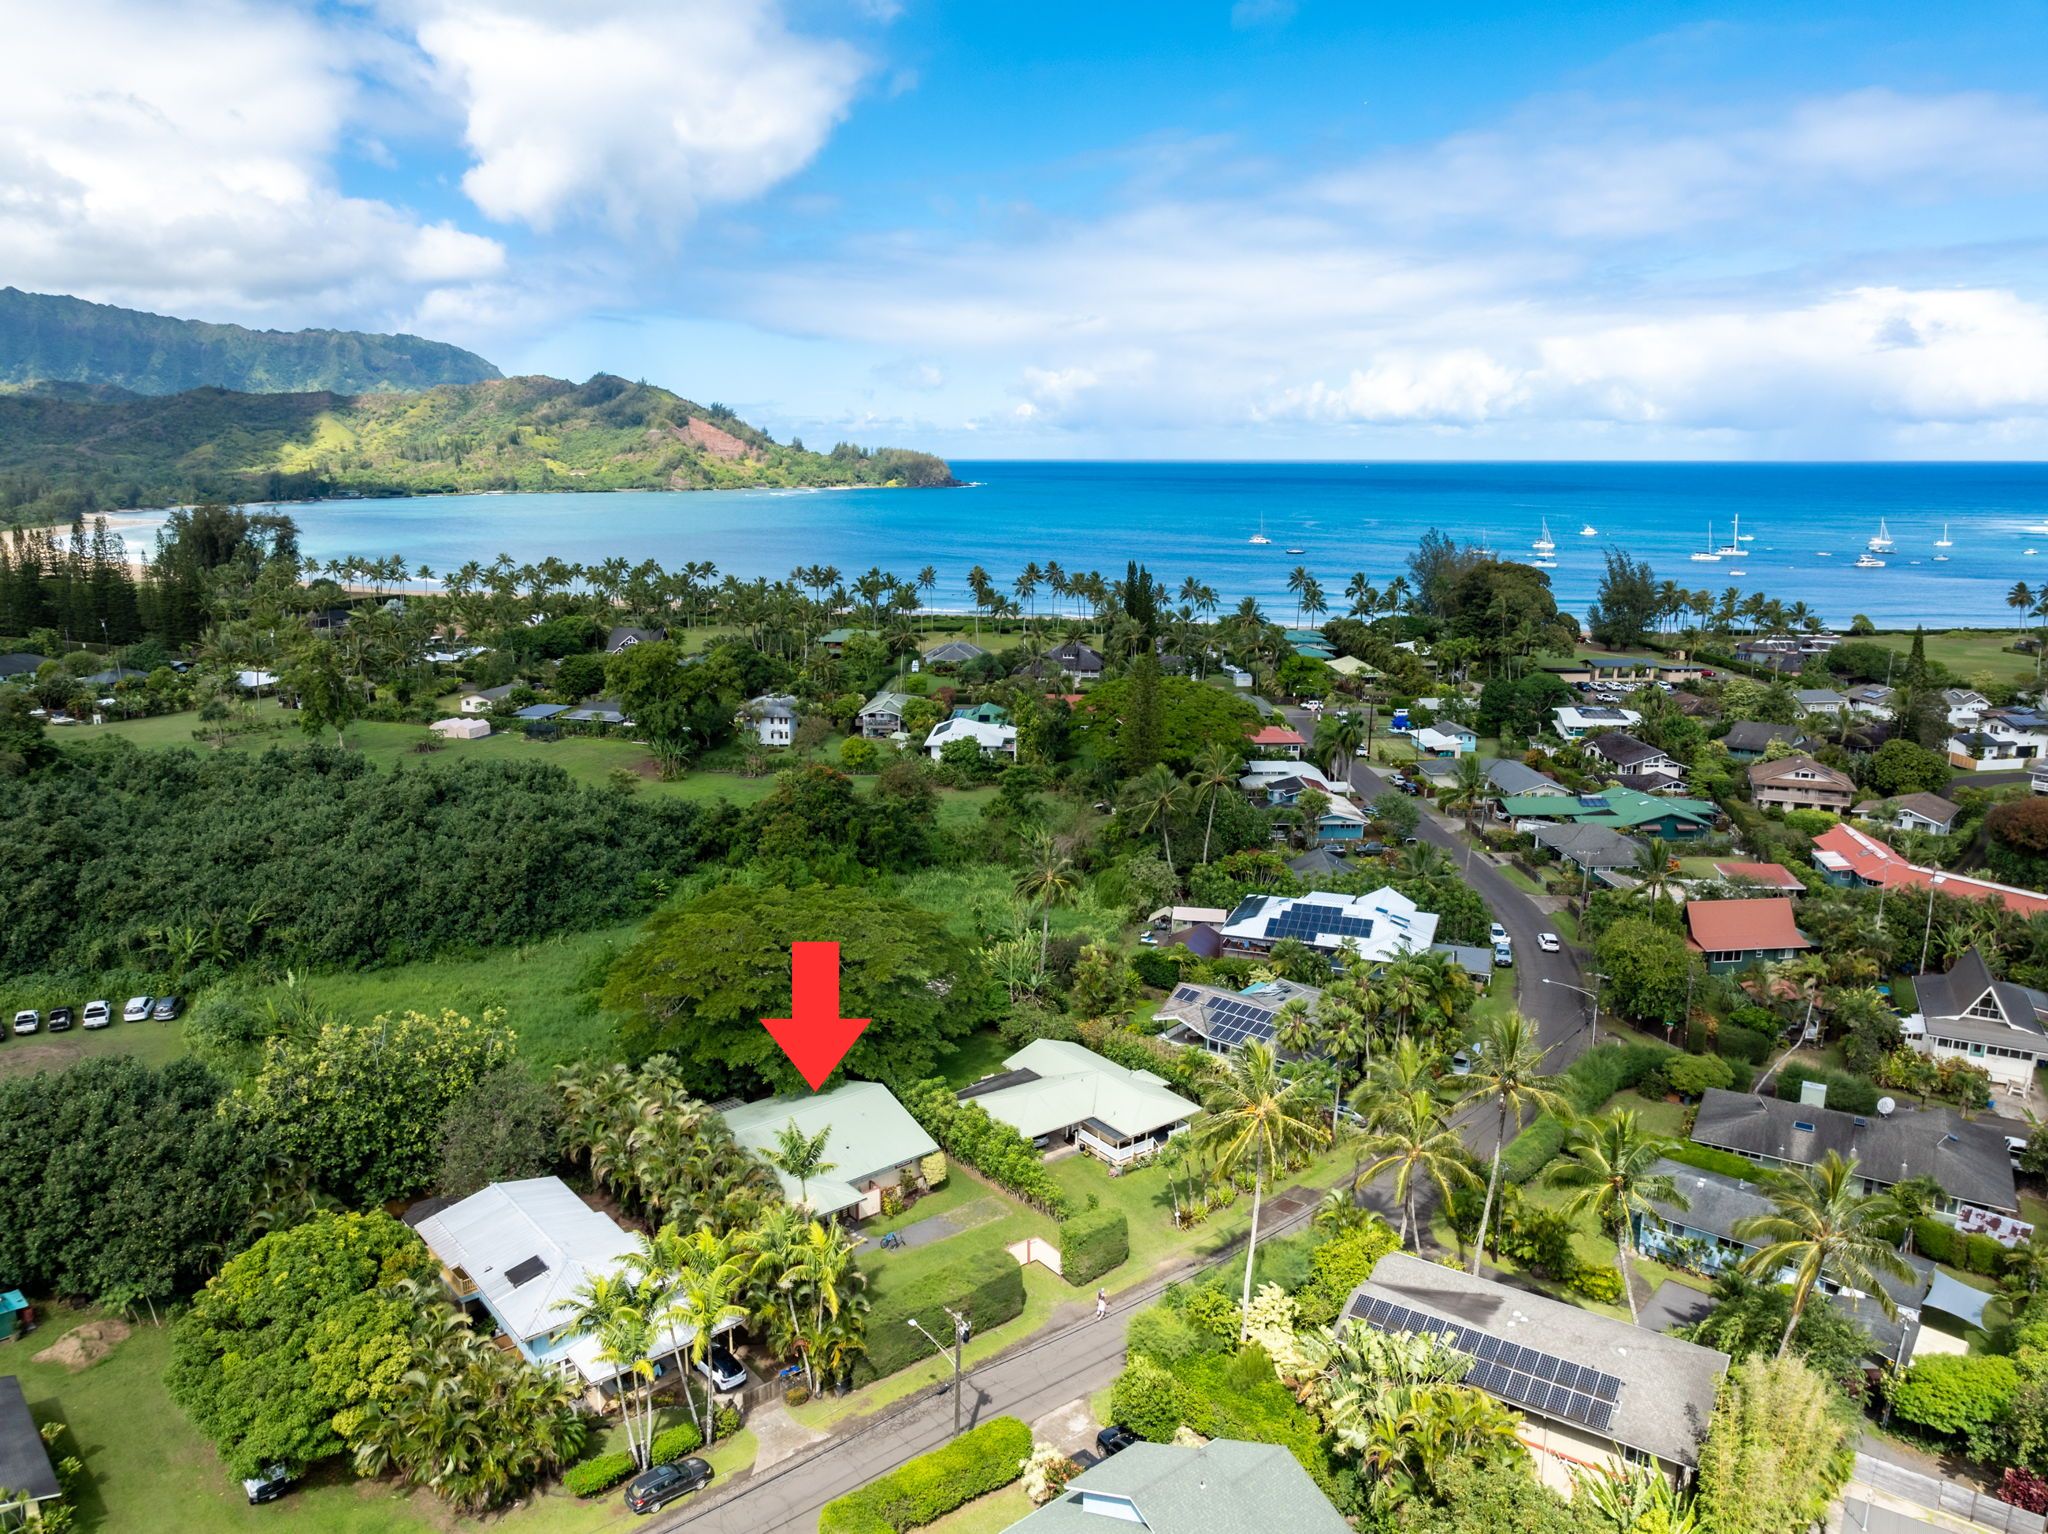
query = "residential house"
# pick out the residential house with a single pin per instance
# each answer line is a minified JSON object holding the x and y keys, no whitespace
{"x":536,"y":712}
{"x":1444,"y":741}
{"x":1591,"y":1390}
{"x":521,"y":1250}
{"x":1800,"y":783}
{"x":1636,"y":763}
{"x":607,"y":712}
{"x":1277,"y":740}
{"x":1969,"y":1162}
{"x":994,"y":739}
{"x":1477,"y":963}
{"x":28,"y":1481}
{"x":1575,"y":723}
{"x":1594,"y":850}
{"x":1222,"y":1021}
{"x":484,"y":699}
{"x":1340,"y":821}
{"x":1352,"y":666}
{"x":1871,"y":700}
{"x":1775,"y":655}
{"x":955,"y":652}
{"x":2002,"y":739}
{"x":883,"y":715}
{"x":461,"y":729}
{"x":1849,"y":858}
{"x":1219,"y":1487}
{"x":871,"y":1144}
{"x":984,"y":713}
{"x":1701,"y":1236}
{"x":1372,"y":928}
{"x":1821,"y":703}
{"x":1764,"y":878}
{"x":328,"y":621}
{"x":1280,"y":780}
{"x":833,"y":641}
{"x":1964,"y":707}
{"x":1620,"y":808}
{"x":1319,"y":862}
{"x":1993,"y":1024}
{"x":1053,"y":1092}
{"x":1912,"y":812}
{"x":20,"y":664}
{"x":1749,"y":739}
{"x":113,"y":676}
{"x":772,"y":717}
{"x":1623,"y":671}
{"x":623,"y":637}
{"x":1076,"y":660}
{"x":1508,"y":776}
{"x":1735,"y":934}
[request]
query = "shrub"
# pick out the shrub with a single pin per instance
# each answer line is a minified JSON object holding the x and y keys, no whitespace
{"x":1156,"y":968}
{"x":1587,"y":1083}
{"x":1691,"y":1075}
{"x":2024,"y":1489}
{"x":1745,"y":1044}
{"x":933,"y":1170}
{"x":1093,"y":1242}
{"x":987,"y":1287}
{"x":1846,"y":1094}
{"x":1599,"y":1284}
{"x":967,"y":1133}
{"x":1707,"y":1159}
{"x":1937,"y":1241}
{"x":727,"y":1420}
{"x":1163,"y":1334}
{"x":932,"y":1485}
{"x":1963,"y":1395}
{"x":1148,"y":1400}
{"x":1983,"y":1254}
{"x":671,"y":1444}
{"x":1339,"y":1266}
{"x":596,"y":1475}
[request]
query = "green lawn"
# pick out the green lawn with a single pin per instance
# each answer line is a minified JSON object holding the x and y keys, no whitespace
{"x":976,"y":1056}
{"x":985,"y":1515}
{"x":152,"y":1043}
{"x":1971,"y":652}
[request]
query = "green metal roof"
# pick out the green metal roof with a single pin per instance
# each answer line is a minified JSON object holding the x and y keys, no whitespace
{"x":1225,"y":1487}
{"x":1621,"y":808}
{"x":870,"y":1132}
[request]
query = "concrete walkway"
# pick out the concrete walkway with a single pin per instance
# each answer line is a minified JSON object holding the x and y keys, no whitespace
{"x":781,"y":1435}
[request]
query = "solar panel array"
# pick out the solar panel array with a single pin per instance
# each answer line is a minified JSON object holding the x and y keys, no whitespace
{"x":1540,"y":1381}
{"x":1305,"y":922}
{"x":1231,"y":1021}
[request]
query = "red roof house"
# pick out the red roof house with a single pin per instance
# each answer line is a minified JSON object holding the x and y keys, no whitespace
{"x":1846,"y":856}
{"x":1734,"y":934}
{"x":1278,"y":740}
{"x":1775,"y":876}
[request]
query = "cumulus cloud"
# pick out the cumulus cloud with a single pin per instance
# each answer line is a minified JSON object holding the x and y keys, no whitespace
{"x":180,"y":158}
{"x":639,"y":112}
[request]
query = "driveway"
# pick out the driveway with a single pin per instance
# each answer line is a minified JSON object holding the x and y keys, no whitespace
{"x":1673,"y":1305}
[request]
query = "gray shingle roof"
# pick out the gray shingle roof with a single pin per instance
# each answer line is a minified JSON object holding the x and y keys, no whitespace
{"x":1224,"y":1487}
{"x":1621,"y":749}
{"x":1969,"y":1161}
{"x":953,"y":652}
{"x":1752,"y":735}
{"x":1953,"y":995}
{"x":24,"y":1463}
{"x":20,"y":663}
{"x":1512,"y":777}
{"x":1667,"y":1386}
{"x":1589,"y":846}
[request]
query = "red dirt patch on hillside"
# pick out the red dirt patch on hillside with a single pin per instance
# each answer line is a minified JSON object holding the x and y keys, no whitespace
{"x":715,"y":440}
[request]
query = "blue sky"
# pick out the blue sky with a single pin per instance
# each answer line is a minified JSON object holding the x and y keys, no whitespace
{"x":1245,"y":230}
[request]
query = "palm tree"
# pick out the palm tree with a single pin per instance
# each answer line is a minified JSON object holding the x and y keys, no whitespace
{"x":614,"y":1308}
{"x":1214,"y":775}
{"x":1509,"y":1072}
{"x":1046,"y":881}
{"x":2028,"y":1263}
{"x":1611,"y":1162}
{"x":1150,"y":801}
{"x":801,"y":1156}
{"x":1822,"y":1223}
{"x":1259,"y":1116}
{"x":1653,"y":870}
{"x":1413,"y":1138}
{"x":1469,"y":789}
{"x":708,"y":1287}
{"x":824,"y":1269}
{"x":2021,"y":600}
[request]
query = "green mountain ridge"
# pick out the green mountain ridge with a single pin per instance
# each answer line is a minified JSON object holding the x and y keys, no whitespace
{"x":69,"y":452}
{"x":54,"y":337}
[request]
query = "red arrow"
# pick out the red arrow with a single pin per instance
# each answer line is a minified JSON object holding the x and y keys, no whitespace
{"x":814,"y":1035}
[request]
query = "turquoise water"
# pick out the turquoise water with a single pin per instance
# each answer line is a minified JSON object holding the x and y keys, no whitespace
{"x":1195,"y":519}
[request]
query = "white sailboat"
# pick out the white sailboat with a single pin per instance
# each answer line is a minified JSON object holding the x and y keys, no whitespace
{"x":1944,"y":541}
{"x":1708,"y":555}
{"x":1260,"y":535}
{"x":1882,"y":542}
{"x":1733,"y":547}
{"x":1544,"y":545}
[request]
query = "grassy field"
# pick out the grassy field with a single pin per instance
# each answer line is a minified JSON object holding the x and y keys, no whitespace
{"x":152,"y":1043}
{"x":985,"y":1515}
{"x":1971,"y":652}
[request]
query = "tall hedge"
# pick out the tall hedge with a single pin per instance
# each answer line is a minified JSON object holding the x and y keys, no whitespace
{"x":1707,"y":1159}
{"x":1846,"y":1094}
{"x":932,"y":1485}
{"x":1585,"y":1084}
{"x":967,"y":1134}
{"x":987,"y":1287}
{"x":1092,"y":1242}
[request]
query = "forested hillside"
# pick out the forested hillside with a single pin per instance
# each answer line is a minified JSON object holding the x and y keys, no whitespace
{"x":48,"y":336}
{"x":64,"y":452}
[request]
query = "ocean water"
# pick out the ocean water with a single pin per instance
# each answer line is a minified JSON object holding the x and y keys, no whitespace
{"x":1805,"y":525}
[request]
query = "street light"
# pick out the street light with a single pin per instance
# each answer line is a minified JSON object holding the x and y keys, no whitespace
{"x":1928,"y":931}
{"x":962,"y":1327}
{"x":1592,"y":995}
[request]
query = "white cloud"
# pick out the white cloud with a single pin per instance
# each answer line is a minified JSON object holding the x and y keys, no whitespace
{"x":637,"y":111}
{"x":178,"y":157}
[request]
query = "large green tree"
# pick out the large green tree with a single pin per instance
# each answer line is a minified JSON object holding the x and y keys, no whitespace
{"x":704,"y":973}
{"x":1192,"y":715}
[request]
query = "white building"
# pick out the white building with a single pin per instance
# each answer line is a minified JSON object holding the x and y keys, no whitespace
{"x":2002,"y":740}
{"x":994,"y":739}
{"x":871,"y":1144}
{"x":1575,"y":723}
{"x":1372,"y":928}
{"x":1053,"y":1092}
{"x":471,"y":728}
{"x":1993,"y":1024}
{"x":772,"y":717}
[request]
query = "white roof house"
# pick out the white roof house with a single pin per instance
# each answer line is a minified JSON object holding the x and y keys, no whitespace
{"x":1573,"y":722}
{"x":523,"y":1249}
{"x":870,"y":1140}
{"x":1260,"y":770}
{"x":1382,"y":925}
{"x":994,"y":739}
{"x":1051,"y":1087}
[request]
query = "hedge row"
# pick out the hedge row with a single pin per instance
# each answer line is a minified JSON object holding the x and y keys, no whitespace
{"x":1707,"y":1159}
{"x":967,"y":1134}
{"x":1585,"y":1084}
{"x":1092,"y":1242}
{"x":986,"y":1459}
{"x":987,"y":1287}
{"x":1938,"y":1241}
{"x":1846,"y":1094}
{"x":671,"y":1444}
{"x":598,"y":1474}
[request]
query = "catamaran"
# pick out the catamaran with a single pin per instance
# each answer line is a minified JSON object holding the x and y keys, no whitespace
{"x":1733,"y":547}
{"x":1260,"y":535}
{"x":1544,"y":545}
{"x":1708,"y":555}
{"x":1882,"y":543}
{"x":1944,"y":541}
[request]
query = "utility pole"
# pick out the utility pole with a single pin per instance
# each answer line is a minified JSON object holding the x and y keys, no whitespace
{"x":962,"y":1330}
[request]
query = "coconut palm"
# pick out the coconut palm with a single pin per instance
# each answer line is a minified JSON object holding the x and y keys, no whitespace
{"x":1214,"y":775}
{"x":1260,"y":1118}
{"x":1470,"y":788}
{"x":1150,"y":800}
{"x":1508,"y":1072}
{"x":1411,"y":1137}
{"x":709,"y":1284}
{"x":1823,"y":1224}
{"x":1047,"y":880}
{"x":796,"y":1154}
{"x":1611,"y":1163}
{"x":615,"y":1308}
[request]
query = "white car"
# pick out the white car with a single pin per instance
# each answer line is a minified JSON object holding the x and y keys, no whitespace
{"x":137,"y":1010}
{"x":27,"y":1021}
{"x":97,"y":1015}
{"x":1499,"y":934}
{"x":1547,"y":941}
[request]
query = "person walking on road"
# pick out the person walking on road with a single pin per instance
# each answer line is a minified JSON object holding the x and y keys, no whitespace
{"x":1101,"y":1303}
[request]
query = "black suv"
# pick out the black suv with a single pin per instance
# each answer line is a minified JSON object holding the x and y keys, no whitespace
{"x":60,"y":1019}
{"x":651,"y":1489}
{"x":1114,"y":1439}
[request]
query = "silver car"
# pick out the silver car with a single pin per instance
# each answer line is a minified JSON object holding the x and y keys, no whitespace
{"x":137,"y":1010}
